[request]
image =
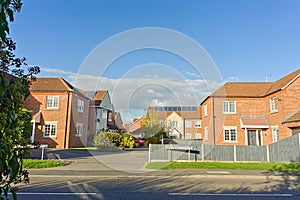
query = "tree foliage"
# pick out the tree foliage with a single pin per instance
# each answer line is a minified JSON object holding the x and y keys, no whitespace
{"x":151,"y":126}
{"x":109,"y":141}
{"x":15,"y":126}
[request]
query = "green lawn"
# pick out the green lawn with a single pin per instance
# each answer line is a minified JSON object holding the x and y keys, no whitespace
{"x":30,"y":163}
{"x":272,"y":166}
{"x":84,"y":149}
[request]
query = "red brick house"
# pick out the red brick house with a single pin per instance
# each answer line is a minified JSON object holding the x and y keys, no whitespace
{"x":60,"y":113}
{"x":252,"y":113}
{"x":102,"y":116}
{"x":179,"y":121}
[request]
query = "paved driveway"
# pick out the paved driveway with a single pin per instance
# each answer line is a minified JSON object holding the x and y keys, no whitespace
{"x":125,"y":161}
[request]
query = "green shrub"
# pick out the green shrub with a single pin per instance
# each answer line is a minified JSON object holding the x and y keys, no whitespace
{"x":103,"y":143}
{"x":115,"y":138}
{"x":127,"y":141}
{"x":152,"y":140}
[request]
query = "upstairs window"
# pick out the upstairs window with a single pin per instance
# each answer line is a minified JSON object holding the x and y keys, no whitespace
{"x":229,"y":107}
{"x":80,"y":105}
{"x":52,"y":102}
{"x":205,"y":110}
{"x":173,"y":124}
{"x":273,"y":105}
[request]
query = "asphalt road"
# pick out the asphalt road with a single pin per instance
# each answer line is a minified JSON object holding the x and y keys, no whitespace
{"x":158,"y":187}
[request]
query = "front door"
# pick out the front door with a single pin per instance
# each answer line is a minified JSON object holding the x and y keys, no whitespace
{"x":254,"y":137}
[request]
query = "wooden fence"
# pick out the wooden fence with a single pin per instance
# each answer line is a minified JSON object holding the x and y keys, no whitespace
{"x":287,"y":150}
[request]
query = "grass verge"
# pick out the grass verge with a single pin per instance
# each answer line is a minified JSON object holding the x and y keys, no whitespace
{"x":84,"y":149}
{"x":30,"y":163}
{"x":264,"y":166}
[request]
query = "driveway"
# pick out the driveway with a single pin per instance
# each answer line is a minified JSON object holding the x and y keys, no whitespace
{"x":124,"y":161}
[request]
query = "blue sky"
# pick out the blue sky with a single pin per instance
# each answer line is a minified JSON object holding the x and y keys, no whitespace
{"x":248,"y":40}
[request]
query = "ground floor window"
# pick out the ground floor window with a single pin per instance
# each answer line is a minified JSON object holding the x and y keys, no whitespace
{"x":206,"y":133}
{"x":79,"y":129}
{"x":230,"y":134}
{"x":275,"y":136}
{"x":50,"y":129}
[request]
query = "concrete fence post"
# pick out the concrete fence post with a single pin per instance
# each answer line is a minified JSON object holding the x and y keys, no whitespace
{"x":234,"y":153}
{"x":268,"y":153}
{"x":202,"y":152}
{"x":149,"y":154}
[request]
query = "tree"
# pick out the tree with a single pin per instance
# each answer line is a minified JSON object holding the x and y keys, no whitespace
{"x":151,"y":126}
{"x":15,"y":126}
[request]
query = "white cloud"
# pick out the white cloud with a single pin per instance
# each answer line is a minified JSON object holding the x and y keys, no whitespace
{"x":192,"y":74}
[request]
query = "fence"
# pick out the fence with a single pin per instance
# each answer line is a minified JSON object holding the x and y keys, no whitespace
{"x":286,"y":150}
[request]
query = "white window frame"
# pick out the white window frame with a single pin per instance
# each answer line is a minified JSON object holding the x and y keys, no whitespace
{"x":230,"y":129}
{"x":205,"y":110}
{"x":206,"y":134}
{"x":173,"y":124}
{"x":273,"y":105}
{"x":80,"y":105}
{"x":198,"y":124}
{"x":52,"y":127}
{"x":188,"y":123}
{"x":228,"y":106}
{"x":275,"y":134}
{"x":79,"y":129}
{"x":52,"y":102}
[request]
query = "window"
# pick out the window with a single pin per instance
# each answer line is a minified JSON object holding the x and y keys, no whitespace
{"x":205,"y":110}
{"x":79,"y":129}
{"x":188,"y":123}
{"x":198,"y":124}
{"x":273,"y":105}
{"x":229,"y":107}
{"x":173,"y":124}
{"x":50,"y":129}
{"x":80,"y":105}
{"x":229,"y":134}
{"x":206,"y":133}
{"x":52,"y":101}
{"x":275,"y":136}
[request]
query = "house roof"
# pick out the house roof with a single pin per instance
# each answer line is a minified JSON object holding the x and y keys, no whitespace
{"x":254,"y":89}
{"x":53,"y":85}
{"x":254,"y":122}
{"x":243,"y":89}
{"x":293,"y":117}
{"x":284,"y":82}
{"x":136,"y":126}
{"x":95,"y":95}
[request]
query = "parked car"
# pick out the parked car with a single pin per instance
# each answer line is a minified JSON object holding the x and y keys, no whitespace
{"x":139,"y":142}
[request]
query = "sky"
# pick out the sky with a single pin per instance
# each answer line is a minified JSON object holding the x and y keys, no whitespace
{"x":159,"y":53}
